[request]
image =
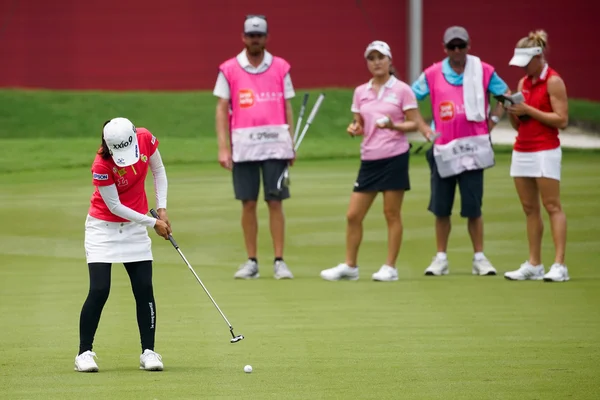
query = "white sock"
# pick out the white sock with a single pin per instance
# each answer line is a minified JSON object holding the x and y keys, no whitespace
{"x":441,"y":256}
{"x":479,"y":256}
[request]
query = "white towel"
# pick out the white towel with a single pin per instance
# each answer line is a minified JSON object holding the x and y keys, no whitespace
{"x":473,"y":90}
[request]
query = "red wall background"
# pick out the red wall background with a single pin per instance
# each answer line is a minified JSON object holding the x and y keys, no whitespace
{"x":178,"y":44}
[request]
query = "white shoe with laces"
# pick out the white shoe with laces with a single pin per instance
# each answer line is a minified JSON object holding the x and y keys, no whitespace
{"x":151,"y":361}
{"x":386,"y":274}
{"x":557,"y":273}
{"x":526,"y":272}
{"x":84,"y":362}
{"x":483,"y":267}
{"x":437,"y":267}
{"x":281,"y":270}
{"x":341,"y":271}
{"x":248,"y":270}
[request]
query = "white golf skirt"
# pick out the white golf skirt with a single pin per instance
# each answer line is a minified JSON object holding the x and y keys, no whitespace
{"x":116,"y":242}
{"x":538,"y":164}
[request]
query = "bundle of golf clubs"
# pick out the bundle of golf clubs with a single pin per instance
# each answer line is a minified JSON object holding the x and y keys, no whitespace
{"x":284,"y":178}
{"x":234,"y":338}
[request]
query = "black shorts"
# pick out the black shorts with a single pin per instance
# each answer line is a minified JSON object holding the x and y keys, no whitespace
{"x":470,"y":185}
{"x":246,"y":179}
{"x":383,"y":175}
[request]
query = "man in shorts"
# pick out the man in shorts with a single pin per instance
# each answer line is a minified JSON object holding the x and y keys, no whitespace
{"x":255,"y":129}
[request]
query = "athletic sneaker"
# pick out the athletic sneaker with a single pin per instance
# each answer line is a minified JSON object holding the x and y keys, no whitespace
{"x":248,"y":270}
{"x":281,"y":270}
{"x":85,"y":362}
{"x":483,"y":267}
{"x":557,"y":273}
{"x":151,"y":361}
{"x":437,"y":267}
{"x":386,"y":274}
{"x":342,"y":271}
{"x":526,"y":272}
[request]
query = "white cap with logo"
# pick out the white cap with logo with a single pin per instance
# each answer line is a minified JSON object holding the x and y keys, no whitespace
{"x":522,"y":57}
{"x":255,"y":24}
{"x":121,"y":138}
{"x":379,"y":46}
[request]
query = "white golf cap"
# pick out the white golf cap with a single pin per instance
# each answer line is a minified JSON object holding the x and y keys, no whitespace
{"x":121,"y":138}
{"x":456,"y":32}
{"x":255,"y":24}
{"x":379,"y":46}
{"x":522,"y":57}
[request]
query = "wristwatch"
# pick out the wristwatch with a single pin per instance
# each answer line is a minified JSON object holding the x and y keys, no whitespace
{"x":495,"y":119}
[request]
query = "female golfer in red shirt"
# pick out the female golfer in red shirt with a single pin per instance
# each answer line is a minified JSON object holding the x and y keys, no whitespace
{"x":536,"y":158}
{"x":115,"y":232}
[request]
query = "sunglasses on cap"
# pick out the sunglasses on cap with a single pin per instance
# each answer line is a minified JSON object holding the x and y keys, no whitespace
{"x":256,"y":16}
{"x":454,"y":46}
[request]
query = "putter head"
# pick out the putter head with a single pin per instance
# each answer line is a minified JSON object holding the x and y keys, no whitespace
{"x":237,"y":338}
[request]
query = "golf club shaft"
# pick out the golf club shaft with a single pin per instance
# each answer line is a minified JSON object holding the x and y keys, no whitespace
{"x":300,"y":116}
{"x":204,"y":287}
{"x":310,"y":119}
{"x":174,"y":243}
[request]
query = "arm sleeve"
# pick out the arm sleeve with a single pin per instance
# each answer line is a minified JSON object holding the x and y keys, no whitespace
{"x":288,"y":87}
{"x":222,"y":87}
{"x":160,"y":179}
{"x":497,"y":86}
{"x":111,"y":198}
{"x":408,"y":100}
{"x":355,"y":108}
{"x":420,"y":87}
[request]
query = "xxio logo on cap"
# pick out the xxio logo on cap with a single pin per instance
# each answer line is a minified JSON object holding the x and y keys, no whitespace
{"x":246,"y":98}
{"x":123,"y":144}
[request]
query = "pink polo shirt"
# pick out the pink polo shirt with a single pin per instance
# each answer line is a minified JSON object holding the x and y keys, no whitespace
{"x":393,"y":99}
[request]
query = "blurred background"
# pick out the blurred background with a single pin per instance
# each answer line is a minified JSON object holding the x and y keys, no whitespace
{"x":178,"y":44}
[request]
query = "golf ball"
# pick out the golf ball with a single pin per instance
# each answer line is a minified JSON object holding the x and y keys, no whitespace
{"x":248,"y":369}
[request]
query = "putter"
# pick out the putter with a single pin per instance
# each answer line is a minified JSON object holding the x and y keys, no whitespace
{"x":284,"y":178}
{"x":234,"y":338}
{"x":418,"y":150}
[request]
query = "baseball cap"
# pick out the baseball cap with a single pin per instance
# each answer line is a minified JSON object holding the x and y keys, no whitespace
{"x":379,"y":46}
{"x":255,"y":24}
{"x":121,"y":138}
{"x":456,"y":32}
{"x":522,"y":57}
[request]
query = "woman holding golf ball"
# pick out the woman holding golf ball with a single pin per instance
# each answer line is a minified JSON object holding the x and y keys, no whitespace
{"x":384,"y":108}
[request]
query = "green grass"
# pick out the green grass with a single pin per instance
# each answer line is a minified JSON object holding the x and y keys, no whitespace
{"x":455,"y":337}
{"x":68,"y":125}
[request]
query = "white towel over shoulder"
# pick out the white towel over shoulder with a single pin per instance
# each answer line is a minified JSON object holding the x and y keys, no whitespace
{"x":473,"y":90}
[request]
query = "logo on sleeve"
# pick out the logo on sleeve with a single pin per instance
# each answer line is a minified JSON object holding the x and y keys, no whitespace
{"x":153,"y":140}
{"x":246,"y":98}
{"x":100,"y":177}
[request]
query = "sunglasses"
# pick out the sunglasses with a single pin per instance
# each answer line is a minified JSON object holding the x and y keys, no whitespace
{"x":460,"y":46}
{"x":256,"y":16}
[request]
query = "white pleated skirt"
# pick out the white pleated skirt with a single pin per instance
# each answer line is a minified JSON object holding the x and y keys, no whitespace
{"x":116,"y":242}
{"x":537,"y":164}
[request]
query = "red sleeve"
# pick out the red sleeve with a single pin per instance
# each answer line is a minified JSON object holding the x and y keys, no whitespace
{"x":102,"y":175}
{"x":150,"y":140}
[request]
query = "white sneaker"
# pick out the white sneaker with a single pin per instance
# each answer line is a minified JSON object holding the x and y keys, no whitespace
{"x":437,"y":267}
{"x":526,"y":272}
{"x":85,"y":362}
{"x":151,"y":361}
{"x":248,"y":270}
{"x":281,"y":271}
{"x":386,"y":274}
{"x":483,"y":267}
{"x":342,"y":271}
{"x":557,"y":273}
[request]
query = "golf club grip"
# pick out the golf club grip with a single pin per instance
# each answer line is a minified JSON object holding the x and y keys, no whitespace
{"x":173,"y":242}
{"x":305,"y":99}
{"x":315,"y":108}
